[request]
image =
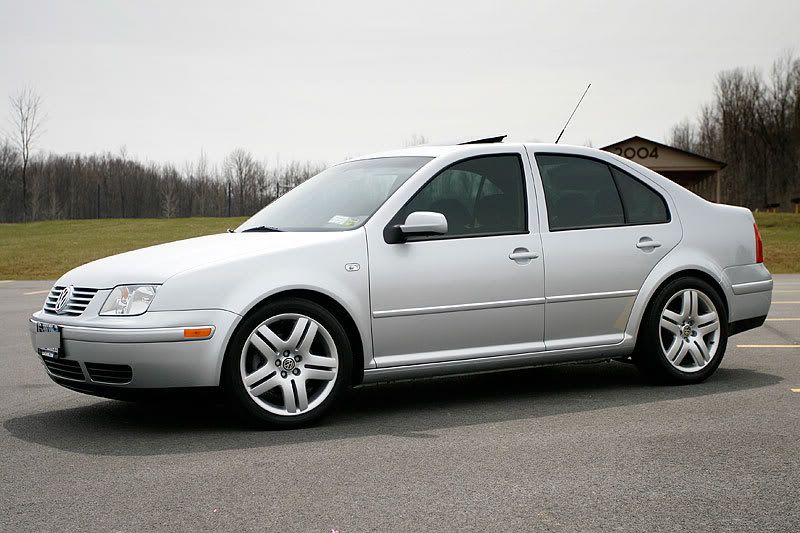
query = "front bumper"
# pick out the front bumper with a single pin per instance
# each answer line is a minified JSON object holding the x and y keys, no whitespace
{"x":158,"y":354}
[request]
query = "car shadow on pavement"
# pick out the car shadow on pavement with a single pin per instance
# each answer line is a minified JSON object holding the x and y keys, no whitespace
{"x":404,"y":409}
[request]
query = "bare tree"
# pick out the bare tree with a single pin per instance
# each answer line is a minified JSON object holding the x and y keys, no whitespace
{"x":415,"y":140}
{"x":26,"y":118}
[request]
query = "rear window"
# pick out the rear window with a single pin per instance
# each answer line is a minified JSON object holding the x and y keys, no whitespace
{"x":587,"y":193}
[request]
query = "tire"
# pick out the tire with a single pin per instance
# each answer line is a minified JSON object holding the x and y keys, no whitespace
{"x":287,"y":363}
{"x":683,"y":334}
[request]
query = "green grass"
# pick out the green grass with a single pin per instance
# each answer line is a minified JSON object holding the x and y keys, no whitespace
{"x":45,"y":250}
{"x":781,"y":235}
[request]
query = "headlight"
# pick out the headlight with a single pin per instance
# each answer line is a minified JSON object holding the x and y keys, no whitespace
{"x":129,"y":300}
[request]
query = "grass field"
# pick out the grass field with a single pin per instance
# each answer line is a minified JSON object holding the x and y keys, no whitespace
{"x":45,"y":250}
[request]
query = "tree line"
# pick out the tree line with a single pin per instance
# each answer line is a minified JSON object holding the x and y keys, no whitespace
{"x":753,"y":125}
{"x":47,"y":186}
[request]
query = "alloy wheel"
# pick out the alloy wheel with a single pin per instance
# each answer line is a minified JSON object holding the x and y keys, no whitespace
{"x":689,"y":330}
{"x":289,"y":364}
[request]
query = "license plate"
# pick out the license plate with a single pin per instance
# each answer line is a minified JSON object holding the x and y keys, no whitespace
{"x":48,"y":340}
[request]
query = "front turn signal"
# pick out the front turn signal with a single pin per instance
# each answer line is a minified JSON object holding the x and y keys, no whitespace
{"x":197,"y":333}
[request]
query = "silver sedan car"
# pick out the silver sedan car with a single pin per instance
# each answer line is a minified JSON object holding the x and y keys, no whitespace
{"x":418,"y":262}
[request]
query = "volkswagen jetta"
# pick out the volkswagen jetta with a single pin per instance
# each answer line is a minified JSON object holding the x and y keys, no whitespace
{"x":424,"y":261}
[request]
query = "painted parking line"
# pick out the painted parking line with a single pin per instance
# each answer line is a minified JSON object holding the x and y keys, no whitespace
{"x":768,"y":346}
{"x":786,"y":302}
{"x":35,"y":292}
{"x":783,"y":320}
{"x":787,"y":290}
{"x":795,"y":390}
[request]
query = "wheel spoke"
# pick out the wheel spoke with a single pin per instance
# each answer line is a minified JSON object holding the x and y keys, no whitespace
{"x":694,"y":351}
{"x":695,"y":309}
{"x":294,"y":339}
{"x":706,"y":318}
{"x":269,"y":384}
{"x":262,"y":346}
{"x":302,"y":394}
{"x":686,"y":306}
{"x":683,"y":349}
{"x":670,"y":326}
{"x":702,"y":331}
{"x":672,"y":316}
{"x":702,"y":349}
{"x":322,"y":375}
{"x":322,"y":362}
{"x":259,"y":374}
{"x":674,"y":348}
{"x":271,"y":337}
{"x":288,"y":396}
{"x":305,"y":345}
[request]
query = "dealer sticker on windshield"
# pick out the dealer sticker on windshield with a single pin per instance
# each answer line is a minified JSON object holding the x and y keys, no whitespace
{"x":347,"y":222}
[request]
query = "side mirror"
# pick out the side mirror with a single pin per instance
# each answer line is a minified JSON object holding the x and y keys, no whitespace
{"x":424,"y":223}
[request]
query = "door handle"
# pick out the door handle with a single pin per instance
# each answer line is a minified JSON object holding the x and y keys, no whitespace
{"x":522,"y":255}
{"x":646,"y":243}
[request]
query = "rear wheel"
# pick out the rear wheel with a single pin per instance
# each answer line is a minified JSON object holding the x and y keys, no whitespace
{"x":287,"y":363}
{"x":684,"y":333}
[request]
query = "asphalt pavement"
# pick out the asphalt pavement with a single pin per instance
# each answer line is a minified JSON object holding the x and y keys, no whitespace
{"x":571,"y":448}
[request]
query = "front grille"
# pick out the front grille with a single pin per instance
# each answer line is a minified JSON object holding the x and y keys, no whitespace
{"x":64,"y":368}
{"x":103,"y":373}
{"x":81,"y":296}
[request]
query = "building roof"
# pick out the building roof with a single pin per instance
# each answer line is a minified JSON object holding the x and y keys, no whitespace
{"x":681,"y":160}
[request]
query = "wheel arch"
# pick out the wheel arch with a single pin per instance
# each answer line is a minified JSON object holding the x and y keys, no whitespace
{"x":338,"y":310}
{"x":656,"y":283}
{"x":686,"y":273}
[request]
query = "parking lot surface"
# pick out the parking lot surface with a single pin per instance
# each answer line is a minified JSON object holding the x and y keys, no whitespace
{"x":576,"y":447}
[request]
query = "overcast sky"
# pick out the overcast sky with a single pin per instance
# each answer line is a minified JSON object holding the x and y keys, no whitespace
{"x":327,"y":80}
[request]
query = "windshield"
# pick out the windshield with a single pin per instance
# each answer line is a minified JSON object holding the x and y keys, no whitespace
{"x":340,"y":198}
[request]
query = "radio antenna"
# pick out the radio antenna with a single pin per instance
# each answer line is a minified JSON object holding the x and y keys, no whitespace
{"x":573,"y":112}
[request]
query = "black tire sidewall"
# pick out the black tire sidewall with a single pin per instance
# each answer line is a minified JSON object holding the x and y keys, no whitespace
{"x":231,"y":379}
{"x":649,"y":355}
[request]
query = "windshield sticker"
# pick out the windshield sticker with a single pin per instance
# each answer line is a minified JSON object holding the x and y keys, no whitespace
{"x":347,"y":222}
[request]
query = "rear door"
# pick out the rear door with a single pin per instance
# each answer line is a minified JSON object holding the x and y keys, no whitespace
{"x":603,"y":232}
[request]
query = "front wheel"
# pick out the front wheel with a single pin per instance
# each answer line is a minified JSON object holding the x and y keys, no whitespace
{"x":287,"y":363}
{"x":683,"y":334}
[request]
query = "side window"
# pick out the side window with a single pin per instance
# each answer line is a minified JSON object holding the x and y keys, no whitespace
{"x":642,"y":204}
{"x":480,"y":196}
{"x":579,"y":192}
{"x":586,"y":193}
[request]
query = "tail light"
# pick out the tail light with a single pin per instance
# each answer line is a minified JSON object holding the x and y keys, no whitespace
{"x":759,"y":245}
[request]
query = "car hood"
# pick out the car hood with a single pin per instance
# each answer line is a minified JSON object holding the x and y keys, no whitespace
{"x":156,"y":264}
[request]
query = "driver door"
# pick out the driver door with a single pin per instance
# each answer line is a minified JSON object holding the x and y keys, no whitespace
{"x":477,"y":290}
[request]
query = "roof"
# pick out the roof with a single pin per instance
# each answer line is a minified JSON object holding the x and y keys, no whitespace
{"x":686,"y":153}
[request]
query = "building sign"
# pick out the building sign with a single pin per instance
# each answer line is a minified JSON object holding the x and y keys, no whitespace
{"x":634,"y":151}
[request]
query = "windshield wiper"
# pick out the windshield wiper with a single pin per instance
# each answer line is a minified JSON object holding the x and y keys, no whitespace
{"x":261,"y":228}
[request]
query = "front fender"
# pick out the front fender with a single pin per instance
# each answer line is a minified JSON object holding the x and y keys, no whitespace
{"x":240,"y":284}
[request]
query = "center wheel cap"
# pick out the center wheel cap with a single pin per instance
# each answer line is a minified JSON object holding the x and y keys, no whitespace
{"x":288,"y":364}
{"x":686,"y":330}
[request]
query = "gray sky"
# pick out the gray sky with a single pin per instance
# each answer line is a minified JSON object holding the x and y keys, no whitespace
{"x":327,"y":80}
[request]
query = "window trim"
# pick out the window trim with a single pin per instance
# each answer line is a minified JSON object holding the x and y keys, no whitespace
{"x":609,"y":166}
{"x":391,"y":233}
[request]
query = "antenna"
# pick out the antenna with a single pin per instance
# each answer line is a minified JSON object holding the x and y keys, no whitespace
{"x":573,"y":112}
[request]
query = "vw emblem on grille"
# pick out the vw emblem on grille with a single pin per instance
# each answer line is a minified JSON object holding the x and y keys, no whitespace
{"x":63,"y":299}
{"x":288,"y":364}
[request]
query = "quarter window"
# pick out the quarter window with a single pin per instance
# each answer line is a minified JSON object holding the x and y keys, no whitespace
{"x":587,"y":193}
{"x":480,"y":196}
{"x":642,"y":204}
